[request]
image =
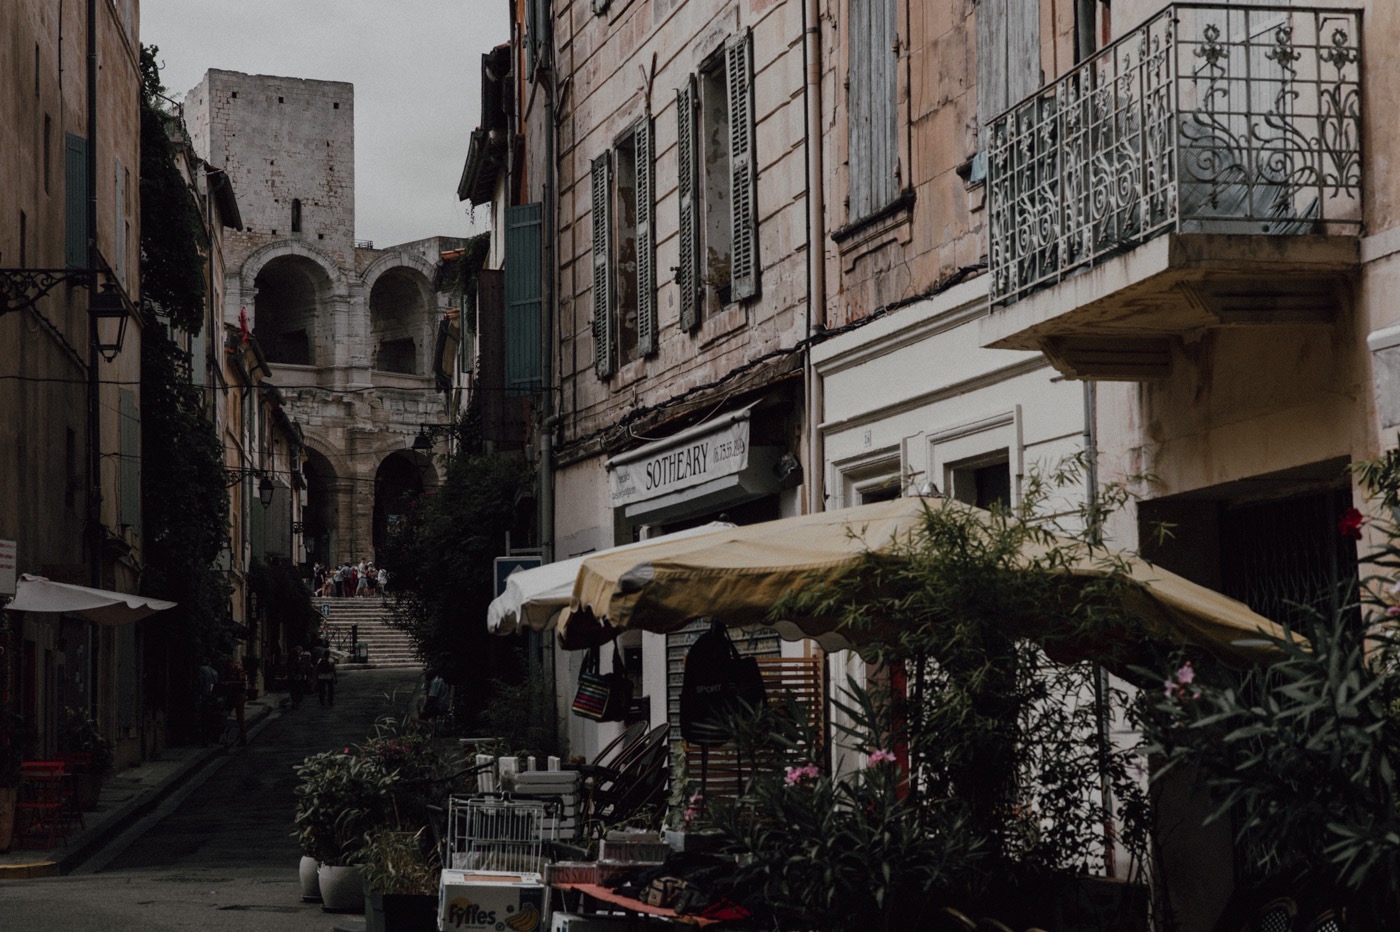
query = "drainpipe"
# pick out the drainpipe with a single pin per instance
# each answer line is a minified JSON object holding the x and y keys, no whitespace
{"x":1101,"y":690}
{"x":95,"y":528}
{"x":815,"y":477}
{"x":550,"y":418}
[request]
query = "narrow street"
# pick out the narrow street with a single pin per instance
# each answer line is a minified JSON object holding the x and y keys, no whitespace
{"x":224,"y":856}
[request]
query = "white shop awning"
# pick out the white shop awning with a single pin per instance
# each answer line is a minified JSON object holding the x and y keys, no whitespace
{"x":37,"y":594}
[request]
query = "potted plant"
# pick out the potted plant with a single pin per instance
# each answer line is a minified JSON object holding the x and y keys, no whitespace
{"x":86,"y":753}
{"x":342,"y":797}
{"x":401,"y":873}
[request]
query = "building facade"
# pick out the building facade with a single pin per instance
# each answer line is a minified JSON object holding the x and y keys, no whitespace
{"x":934,"y":246}
{"x":69,"y":411}
{"x":349,"y":333}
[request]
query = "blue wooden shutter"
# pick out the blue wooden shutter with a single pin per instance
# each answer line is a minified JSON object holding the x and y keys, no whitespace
{"x":75,"y":182}
{"x":687,"y":185}
{"x":523,"y":299}
{"x":738,"y":55}
{"x":129,"y":499}
{"x":646,"y":241}
{"x":603,"y":330}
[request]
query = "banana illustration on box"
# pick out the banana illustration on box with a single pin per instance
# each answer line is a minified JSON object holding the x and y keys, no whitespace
{"x":526,"y":920}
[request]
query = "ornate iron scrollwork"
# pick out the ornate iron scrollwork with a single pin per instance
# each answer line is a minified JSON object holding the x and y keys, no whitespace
{"x":21,"y":288}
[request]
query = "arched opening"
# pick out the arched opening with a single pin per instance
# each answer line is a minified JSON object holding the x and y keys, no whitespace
{"x":398,"y":312}
{"x":296,"y":215}
{"x":290,"y":292}
{"x":319,"y":516}
{"x":397,"y":483}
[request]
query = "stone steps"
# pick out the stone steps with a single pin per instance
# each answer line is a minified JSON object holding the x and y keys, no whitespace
{"x":388,"y":647}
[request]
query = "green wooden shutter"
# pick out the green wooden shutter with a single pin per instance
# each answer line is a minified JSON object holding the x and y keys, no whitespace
{"x":646,"y":240}
{"x":603,"y":330}
{"x":523,"y":299}
{"x":688,"y":194}
{"x":129,"y":499}
{"x":738,"y":53}
{"x":75,"y":200}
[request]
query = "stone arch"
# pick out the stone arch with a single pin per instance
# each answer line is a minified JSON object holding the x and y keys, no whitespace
{"x":402,"y":313}
{"x":260,"y":257}
{"x":321,"y":516}
{"x":292,"y":299}
{"x":398,"y":481}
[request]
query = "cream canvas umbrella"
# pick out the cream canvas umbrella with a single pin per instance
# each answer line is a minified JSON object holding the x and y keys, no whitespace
{"x":535,"y":596}
{"x":738,"y":575}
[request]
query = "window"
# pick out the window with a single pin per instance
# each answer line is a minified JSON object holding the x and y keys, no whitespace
{"x":296,"y":215}
{"x":119,"y":205}
{"x":871,"y":119}
{"x":717,"y":182}
{"x":75,"y":201}
{"x":624,"y":260}
{"x":982,"y":483}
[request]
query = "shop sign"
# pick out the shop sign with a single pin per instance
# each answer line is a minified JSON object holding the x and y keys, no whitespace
{"x":9,"y":557}
{"x":679,"y":464}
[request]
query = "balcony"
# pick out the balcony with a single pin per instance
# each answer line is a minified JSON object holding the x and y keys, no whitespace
{"x":1202,"y":171}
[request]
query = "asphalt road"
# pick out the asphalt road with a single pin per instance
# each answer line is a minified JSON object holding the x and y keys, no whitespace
{"x":220,"y":855}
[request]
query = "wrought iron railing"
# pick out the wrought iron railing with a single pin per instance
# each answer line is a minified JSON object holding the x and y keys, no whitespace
{"x":1206,"y":118}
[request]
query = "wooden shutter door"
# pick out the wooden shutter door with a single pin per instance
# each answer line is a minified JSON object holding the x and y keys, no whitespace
{"x":646,"y":240}
{"x":687,"y":190}
{"x":738,"y":55}
{"x":602,"y":270}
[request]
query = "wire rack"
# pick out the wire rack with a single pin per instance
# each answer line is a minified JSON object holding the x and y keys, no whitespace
{"x":498,"y":833}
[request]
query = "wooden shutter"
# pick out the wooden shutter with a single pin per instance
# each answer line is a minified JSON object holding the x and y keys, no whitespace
{"x":603,"y":330}
{"x":1008,"y":54}
{"x":688,"y":195}
{"x":646,"y":240}
{"x":75,"y":182}
{"x":523,"y":304}
{"x":871,"y":119}
{"x":738,"y":55}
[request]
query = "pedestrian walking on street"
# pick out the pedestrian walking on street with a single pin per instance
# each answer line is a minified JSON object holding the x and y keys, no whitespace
{"x":326,"y":679}
{"x":235,"y":687}
{"x":296,"y":676}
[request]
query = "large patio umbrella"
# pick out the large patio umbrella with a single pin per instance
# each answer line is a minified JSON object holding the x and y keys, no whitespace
{"x":738,"y":575}
{"x":534,"y":597}
{"x":37,"y":594}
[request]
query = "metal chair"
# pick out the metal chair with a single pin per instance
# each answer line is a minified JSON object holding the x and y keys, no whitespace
{"x":1274,"y":916}
{"x":637,"y":780}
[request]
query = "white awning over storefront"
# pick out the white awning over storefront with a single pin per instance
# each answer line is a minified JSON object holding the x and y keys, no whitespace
{"x":37,"y":594}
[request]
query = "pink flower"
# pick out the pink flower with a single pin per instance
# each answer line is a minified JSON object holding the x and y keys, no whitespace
{"x":879,"y":757}
{"x":1349,"y":525}
{"x":1186,"y":674}
{"x":795,"y":775}
{"x":1393,"y":611}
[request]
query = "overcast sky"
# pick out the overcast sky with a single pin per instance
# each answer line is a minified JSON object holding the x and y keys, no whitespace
{"x":416,"y":67}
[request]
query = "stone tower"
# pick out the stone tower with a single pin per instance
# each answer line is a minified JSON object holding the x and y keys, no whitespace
{"x":351,"y":333}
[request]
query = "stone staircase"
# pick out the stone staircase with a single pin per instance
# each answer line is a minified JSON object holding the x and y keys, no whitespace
{"x":389,"y":648}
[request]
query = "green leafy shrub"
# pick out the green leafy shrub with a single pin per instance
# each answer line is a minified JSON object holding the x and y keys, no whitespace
{"x":78,"y":734}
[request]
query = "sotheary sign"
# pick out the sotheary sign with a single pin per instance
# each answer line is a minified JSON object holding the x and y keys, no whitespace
{"x":687,"y":460}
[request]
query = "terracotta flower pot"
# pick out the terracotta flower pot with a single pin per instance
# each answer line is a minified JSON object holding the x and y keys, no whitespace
{"x":342,"y":889}
{"x":310,"y":882}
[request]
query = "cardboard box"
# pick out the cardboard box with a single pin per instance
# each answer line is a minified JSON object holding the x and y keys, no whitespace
{"x":491,"y":900}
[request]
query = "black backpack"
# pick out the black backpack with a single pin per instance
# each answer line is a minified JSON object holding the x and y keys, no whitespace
{"x":717,"y":684}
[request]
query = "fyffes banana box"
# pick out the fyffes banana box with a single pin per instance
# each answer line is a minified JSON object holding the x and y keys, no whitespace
{"x":490,"y":901}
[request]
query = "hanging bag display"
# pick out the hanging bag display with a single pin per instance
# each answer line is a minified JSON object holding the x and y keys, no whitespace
{"x":602,"y":697}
